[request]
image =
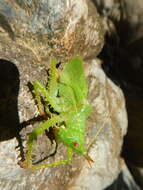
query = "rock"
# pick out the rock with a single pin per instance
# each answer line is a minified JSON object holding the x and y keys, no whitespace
{"x":133,"y":18}
{"x":123,"y":50}
{"x":47,"y":29}
{"x":125,"y":181}
{"x":30,"y":36}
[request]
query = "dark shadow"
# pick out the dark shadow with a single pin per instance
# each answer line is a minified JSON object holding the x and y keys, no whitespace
{"x":121,"y":184}
{"x":9,"y":87}
{"x":123,"y":63}
{"x":99,"y":5}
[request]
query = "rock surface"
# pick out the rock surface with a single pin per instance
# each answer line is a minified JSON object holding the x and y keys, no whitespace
{"x":31,"y":37}
{"x":50,"y":28}
{"x":123,"y":50}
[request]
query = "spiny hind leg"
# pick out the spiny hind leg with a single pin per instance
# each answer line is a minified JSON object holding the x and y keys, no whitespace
{"x":48,"y":93}
{"x":33,"y":137}
{"x":39,"y":90}
{"x":57,"y":163}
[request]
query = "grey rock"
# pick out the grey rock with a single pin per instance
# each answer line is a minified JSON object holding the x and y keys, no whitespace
{"x":49,"y":28}
{"x":34,"y":32}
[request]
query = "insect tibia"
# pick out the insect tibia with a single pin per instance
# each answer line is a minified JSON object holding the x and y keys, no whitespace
{"x":32,"y":136}
{"x":52,"y":84}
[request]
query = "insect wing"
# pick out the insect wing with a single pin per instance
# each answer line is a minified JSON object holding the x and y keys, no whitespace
{"x":73,"y":76}
{"x":67,"y":96}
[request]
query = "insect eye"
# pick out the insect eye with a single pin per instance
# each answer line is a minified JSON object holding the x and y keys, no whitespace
{"x":75,"y":144}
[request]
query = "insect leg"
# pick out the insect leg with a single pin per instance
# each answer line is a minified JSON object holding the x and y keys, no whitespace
{"x":33,"y":136}
{"x":54,"y":87}
{"x":57,"y":163}
{"x":52,"y":100}
{"x":53,"y":78}
{"x":38,"y":99}
{"x":49,"y":93}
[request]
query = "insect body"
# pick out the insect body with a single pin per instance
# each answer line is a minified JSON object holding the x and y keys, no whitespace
{"x":67,"y":96}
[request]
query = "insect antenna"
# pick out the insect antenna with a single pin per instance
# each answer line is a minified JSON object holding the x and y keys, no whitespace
{"x":89,"y":159}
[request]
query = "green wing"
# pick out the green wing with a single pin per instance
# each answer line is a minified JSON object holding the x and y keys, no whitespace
{"x":67,"y":97}
{"x":73,"y":76}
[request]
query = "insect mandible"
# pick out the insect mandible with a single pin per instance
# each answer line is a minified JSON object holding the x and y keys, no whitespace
{"x":66,"y":94}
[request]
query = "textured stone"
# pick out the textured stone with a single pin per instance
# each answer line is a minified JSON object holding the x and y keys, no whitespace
{"x":61,"y":28}
{"x":31,"y":32}
{"x":123,"y":50}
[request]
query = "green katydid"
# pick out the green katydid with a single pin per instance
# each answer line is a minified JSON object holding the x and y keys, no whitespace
{"x":67,"y":95}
